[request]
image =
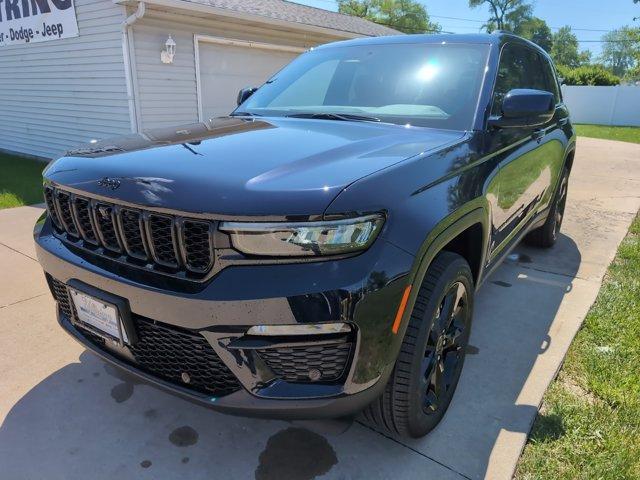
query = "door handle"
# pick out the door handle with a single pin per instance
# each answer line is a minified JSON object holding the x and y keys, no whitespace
{"x":563,"y":121}
{"x":538,"y":134}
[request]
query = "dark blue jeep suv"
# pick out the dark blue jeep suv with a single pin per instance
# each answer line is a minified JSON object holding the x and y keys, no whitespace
{"x":315,"y":254}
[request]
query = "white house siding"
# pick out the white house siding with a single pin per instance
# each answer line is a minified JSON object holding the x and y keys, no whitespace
{"x":55,"y":95}
{"x":167,"y":94}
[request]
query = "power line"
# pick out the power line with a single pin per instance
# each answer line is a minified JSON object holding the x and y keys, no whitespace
{"x":426,"y":31}
{"x":608,"y":41}
{"x":413,"y":30}
{"x":482,"y":21}
{"x":456,"y":18}
{"x":335,"y":2}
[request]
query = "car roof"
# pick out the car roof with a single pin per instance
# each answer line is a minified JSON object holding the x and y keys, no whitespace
{"x":495,"y":38}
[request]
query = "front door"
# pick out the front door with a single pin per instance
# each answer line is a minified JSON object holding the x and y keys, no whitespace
{"x":530,"y":157}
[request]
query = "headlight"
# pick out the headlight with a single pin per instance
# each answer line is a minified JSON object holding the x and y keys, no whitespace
{"x":304,"y":238}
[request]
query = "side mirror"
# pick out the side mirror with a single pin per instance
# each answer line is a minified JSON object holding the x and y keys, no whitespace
{"x":525,"y":108}
{"x":245,"y":93}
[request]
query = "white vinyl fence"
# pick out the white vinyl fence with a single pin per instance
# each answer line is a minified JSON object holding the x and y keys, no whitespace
{"x":618,"y":105}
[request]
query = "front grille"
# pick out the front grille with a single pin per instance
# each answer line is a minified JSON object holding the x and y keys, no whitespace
{"x":166,"y":352}
{"x":132,"y":228}
{"x":85,"y":222}
{"x":169,"y":244}
{"x":163,"y":240}
{"x":308,"y":363}
{"x":51,"y":206}
{"x":106,"y":222}
{"x":66,"y":215}
{"x":197,"y":245}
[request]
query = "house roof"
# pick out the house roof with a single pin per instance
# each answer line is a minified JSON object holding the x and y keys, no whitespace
{"x":293,"y":12}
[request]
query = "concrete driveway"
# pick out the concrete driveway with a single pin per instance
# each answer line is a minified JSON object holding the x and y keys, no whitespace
{"x":65,"y":415}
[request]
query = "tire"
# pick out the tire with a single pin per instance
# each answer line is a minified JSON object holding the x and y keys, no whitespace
{"x":547,"y":235}
{"x":411,"y":405}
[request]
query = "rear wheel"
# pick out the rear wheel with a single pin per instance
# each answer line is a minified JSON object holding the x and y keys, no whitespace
{"x":432,"y":354}
{"x":547,"y":235}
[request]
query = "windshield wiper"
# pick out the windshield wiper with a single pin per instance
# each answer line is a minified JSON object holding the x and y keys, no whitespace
{"x":335,"y":116}
{"x":244,"y":114}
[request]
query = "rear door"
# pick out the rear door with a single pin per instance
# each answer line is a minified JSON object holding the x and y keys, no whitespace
{"x":557,"y":134}
{"x":528,"y":156}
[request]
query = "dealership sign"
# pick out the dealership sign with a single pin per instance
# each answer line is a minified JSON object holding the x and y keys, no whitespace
{"x":31,"y":21}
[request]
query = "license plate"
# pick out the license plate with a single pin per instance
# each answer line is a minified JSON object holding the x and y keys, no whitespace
{"x":99,"y":314}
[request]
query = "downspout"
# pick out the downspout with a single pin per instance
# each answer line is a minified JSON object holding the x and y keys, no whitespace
{"x":128,"y":70}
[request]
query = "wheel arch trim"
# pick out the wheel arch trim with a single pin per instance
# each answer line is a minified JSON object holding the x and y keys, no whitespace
{"x":446,"y":230}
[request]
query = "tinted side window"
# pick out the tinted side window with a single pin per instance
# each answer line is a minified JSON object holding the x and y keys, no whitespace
{"x":520,"y":67}
{"x":550,"y":80}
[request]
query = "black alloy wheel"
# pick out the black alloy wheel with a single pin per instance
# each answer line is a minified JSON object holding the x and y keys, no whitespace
{"x":432,"y":353}
{"x":444,"y":351}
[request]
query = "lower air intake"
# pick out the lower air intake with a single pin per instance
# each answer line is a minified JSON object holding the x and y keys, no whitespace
{"x":166,"y":352}
{"x":315,"y":363}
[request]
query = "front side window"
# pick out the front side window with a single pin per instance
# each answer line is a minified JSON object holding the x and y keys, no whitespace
{"x":431,"y":85}
{"x":520,"y":67}
{"x":550,"y":80}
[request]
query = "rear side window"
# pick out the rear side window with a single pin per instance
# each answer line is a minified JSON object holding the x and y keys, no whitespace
{"x":520,"y":67}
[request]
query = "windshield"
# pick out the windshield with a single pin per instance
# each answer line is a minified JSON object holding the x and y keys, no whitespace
{"x":432,"y":85}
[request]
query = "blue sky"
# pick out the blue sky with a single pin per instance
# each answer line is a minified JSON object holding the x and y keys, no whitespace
{"x":579,"y":14}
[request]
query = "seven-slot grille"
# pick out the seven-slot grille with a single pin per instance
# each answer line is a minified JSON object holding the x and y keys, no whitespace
{"x":142,"y":237}
{"x":164,"y":351}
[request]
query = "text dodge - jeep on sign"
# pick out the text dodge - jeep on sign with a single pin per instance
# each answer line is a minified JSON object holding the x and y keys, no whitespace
{"x":36,"y":21}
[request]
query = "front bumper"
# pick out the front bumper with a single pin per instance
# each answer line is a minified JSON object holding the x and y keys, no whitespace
{"x":362,"y":291}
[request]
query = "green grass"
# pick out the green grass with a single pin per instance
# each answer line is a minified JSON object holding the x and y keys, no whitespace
{"x":589,"y":423}
{"x":622,"y":134}
{"x":20,"y":181}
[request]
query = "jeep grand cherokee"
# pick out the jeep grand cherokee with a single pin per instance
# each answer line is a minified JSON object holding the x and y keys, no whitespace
{"x":315,"y":253}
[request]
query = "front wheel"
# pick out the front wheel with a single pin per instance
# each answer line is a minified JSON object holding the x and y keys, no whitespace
{"x":432,"y":354}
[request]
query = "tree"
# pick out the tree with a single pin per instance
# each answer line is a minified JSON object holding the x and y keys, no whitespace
{"x":505,"y":14}
{"x":584,"y":57}
{"x":565,"y":49}
{"x":620,"y":50}
{"x":633,"y":75}
{"x":407,"y":16}
{"x":536,"y":30}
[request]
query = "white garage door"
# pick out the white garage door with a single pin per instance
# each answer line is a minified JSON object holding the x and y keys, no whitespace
{"x":227,"y":66}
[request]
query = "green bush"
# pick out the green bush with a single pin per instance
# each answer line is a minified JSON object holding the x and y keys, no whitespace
{"x":588,"y":75}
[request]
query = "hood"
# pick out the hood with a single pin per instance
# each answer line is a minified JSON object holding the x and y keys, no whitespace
{"x":242,"y":167}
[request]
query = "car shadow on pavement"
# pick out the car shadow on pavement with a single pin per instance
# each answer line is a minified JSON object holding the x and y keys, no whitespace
{"x":86,"y":420}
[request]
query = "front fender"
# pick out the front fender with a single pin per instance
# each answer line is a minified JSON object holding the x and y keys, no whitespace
{"x":429,"y":201}
{"x":444,"y":232}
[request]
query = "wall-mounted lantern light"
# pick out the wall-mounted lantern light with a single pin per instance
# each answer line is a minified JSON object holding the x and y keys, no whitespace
{"x":169,"y":51}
